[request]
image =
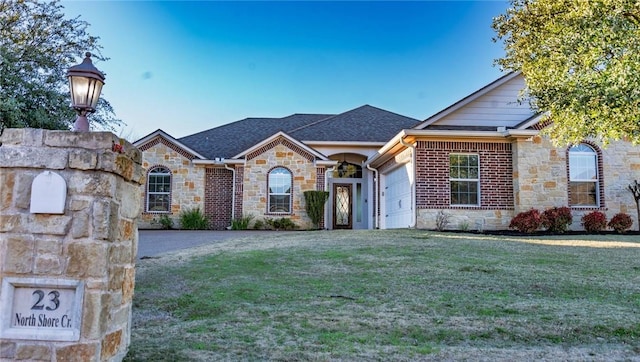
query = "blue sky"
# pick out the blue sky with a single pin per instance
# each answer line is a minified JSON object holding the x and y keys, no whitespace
{"x":185,"y":67}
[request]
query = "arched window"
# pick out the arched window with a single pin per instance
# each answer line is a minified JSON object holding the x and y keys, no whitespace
{"x":279,"y":183}
{"x":159,"y":190}
{"x":583,"y":176}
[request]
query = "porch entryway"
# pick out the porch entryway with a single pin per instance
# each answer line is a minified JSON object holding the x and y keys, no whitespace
{"x":348,"y":208}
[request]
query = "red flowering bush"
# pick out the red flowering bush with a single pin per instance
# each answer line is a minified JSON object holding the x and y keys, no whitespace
{"x":527,"y":221}
{"x":621,"y":222}
{"x":594,"y":222}
{"x":557,"y":219}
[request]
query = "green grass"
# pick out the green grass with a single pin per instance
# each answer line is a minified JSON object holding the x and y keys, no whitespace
{"x":392,"y":295}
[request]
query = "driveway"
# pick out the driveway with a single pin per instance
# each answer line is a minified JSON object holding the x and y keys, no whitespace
{"x":154,"y":242}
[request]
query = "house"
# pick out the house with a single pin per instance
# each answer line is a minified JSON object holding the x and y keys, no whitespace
{"x":480,"y":161}
{"x":262,"y":166}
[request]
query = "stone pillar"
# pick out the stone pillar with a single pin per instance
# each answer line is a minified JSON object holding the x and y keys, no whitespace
{"x":68,"y":277}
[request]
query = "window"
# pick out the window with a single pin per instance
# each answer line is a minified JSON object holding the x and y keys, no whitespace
{"x":583,"y":176}
{"x":279,"y":190}
{"x":464,"y":178}
{"x":159,"y":190}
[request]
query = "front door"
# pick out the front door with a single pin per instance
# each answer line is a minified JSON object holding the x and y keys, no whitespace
{"x":342,"y":215}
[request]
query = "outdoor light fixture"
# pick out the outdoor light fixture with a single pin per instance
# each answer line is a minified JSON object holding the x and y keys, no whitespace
{"x":85,"y":82}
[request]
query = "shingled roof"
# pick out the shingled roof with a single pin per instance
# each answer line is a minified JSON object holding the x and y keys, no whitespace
{"x":363,"y":124}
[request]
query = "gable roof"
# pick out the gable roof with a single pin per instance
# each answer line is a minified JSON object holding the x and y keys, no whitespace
{"x":493,"y":105}
{"x":282,"y":135}
{"x":362,"y":124}
{"x":149,"y":141}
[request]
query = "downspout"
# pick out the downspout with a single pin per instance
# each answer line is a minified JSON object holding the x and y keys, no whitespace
{"x":414,"y":214}
{"x":233,"y":191}
{"x":326,"y":186}
{"x":376,"y":195}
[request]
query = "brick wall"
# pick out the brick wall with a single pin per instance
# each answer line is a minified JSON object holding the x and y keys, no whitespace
{"x":432,"y":178}
{"x":218,"y":197}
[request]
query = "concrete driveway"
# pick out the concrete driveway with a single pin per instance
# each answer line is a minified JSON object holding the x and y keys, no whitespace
{"x":154,"y":242}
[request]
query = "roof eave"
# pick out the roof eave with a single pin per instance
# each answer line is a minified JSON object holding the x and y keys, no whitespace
{"x":412,"y":135}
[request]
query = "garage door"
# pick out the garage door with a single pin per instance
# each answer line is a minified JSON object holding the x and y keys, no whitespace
{"x":397,"y":194}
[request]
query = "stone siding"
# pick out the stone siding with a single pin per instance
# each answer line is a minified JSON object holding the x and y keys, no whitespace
{"x":256,"y":170}
{"x":539,"y":174}
{"x":187,"y":183}
{"x":541,"y":177}
{"x":94,"y":240}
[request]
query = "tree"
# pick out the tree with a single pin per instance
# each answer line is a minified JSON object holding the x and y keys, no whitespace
{"x":37,"y":46}
{"x":581,"y":62}
{"x":635,"y":190}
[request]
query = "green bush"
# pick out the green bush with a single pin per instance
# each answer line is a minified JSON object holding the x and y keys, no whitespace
{"x":241,"y":223}
{"x":281,"y":224}
{"x":166,"y":222}
{"x":557,"y":219}
{"x":193,"y":219}
{"x":258,"y":225}
{"x":314,"y":205}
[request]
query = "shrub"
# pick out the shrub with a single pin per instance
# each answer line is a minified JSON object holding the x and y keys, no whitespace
{"x":193,"y":219}
{"x":281,"y":224}
{"x":621,"y":222}
{"x":526,"y":221}
{"x":314,"y":205}
{"x":258,"y":225}
{"x":166,"y":222}
{"x":241,"y":223}
{"x":594,"y":222}
{"x":557,"y":219}
{"x":442,"y":220}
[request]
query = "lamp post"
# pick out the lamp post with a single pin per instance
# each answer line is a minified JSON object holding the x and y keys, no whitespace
{"x":85,"y":82}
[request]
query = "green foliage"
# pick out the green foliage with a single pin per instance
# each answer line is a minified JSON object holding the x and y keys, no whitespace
{"x":241,"y":223}
{"x":166,"y":222}
{"x":37,"y":46}
{"x":594,"y":222}
{"x":314,"y":205}
{"x":283,"y":223}
{"x":258,"y":225}
{"x":621,"y":222}
{"x":557,"y":219}
{"x":193,"y":219}
{"x":581,"y":61}
{"x":526,"y":221}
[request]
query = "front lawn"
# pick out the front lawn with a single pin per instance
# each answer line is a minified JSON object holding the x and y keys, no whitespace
{"x":395,"y":295}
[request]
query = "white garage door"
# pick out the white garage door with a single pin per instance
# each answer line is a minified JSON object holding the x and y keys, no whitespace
{"x":397,"y":194}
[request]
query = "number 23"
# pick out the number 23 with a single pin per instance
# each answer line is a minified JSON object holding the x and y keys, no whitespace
{"x":54,"y":301}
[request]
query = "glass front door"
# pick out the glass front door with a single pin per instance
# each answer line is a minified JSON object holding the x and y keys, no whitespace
{"x":342,"y":216}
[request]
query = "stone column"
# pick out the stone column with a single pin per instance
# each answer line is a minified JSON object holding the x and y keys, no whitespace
{"x":86,"y":252}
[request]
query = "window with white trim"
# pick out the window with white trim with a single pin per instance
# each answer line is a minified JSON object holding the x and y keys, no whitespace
{"x":159,"y":190}
{"x":464,"y":179}
{"x":583,"y":176}
{"x":279,"y":183}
